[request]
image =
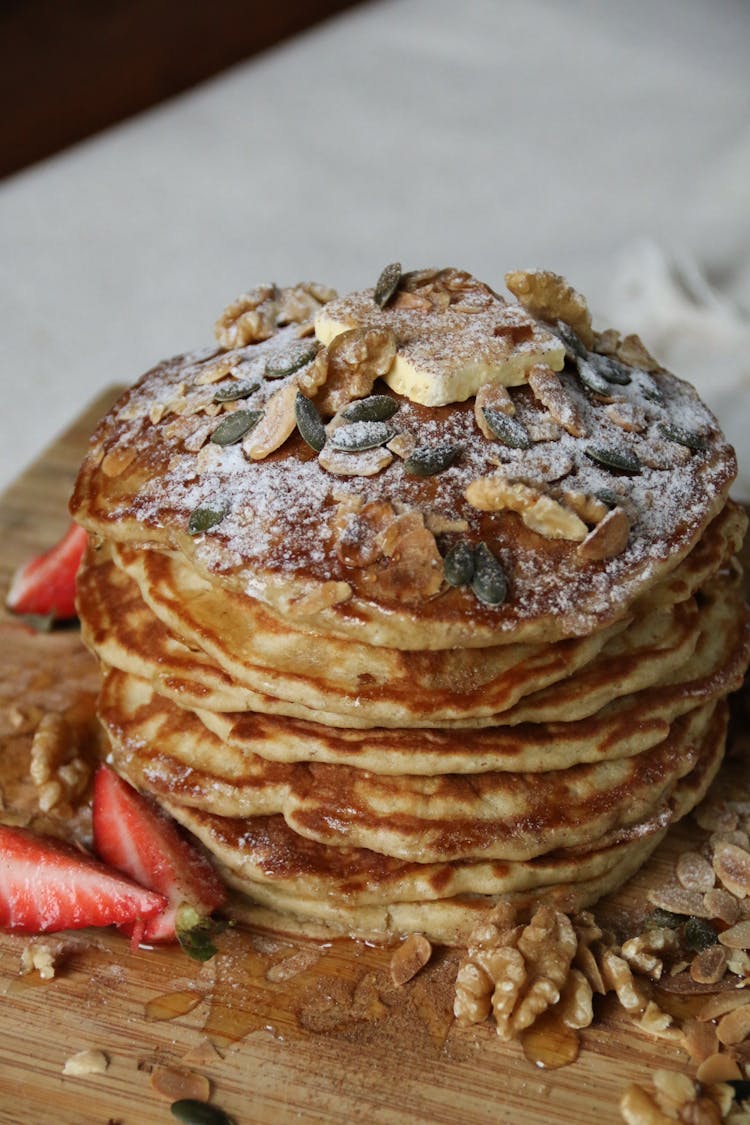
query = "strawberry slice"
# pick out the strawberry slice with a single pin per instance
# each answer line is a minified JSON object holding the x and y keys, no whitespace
{"x":47,"y":885}
{"x":136,"y":837}
{"x":46,"y":584}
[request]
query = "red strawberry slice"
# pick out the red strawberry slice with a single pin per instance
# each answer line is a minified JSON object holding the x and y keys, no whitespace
{"x":47,"y":885}
{"x":46,"y":585}
{"x":136,"y":837}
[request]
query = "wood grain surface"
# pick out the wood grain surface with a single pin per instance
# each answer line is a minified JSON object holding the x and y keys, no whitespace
{"x":335,"y":1043}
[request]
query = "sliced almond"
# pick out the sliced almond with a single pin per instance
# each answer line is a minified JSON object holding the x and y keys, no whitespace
{"x":718,"y":1068}
{"x":608,"y":538}
{"x":736,"y":937}
{"x":411,"y":956}
{"x":734,"y":1027}
{"x":732,"y":866}
{"x":549,"y":390}
{"x":174,"y":1084}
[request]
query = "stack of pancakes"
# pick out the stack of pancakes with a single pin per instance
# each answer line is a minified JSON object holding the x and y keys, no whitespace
{"x":414,"y":601}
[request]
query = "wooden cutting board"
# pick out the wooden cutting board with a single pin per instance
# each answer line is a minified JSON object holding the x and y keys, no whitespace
{"x":334,"y":1043}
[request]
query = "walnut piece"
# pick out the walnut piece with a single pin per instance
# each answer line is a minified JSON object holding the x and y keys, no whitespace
{"x":540,"y":512}
{"x":58,"y":771}
{"x":414,"y":565}
{"x":549,"y":297}
{"x":349,"y":366}
{"x":258,"y":314}
{"x":643,"y":952}
{"x":85,"y":1063}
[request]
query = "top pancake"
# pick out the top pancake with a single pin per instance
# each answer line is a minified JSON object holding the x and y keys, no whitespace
{"x":341,"y":554}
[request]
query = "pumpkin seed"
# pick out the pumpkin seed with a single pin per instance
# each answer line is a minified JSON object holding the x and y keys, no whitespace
{"x":192,"y":1112}
{"x":698,"y":934}
{"x":288,"y":364}
{"x":429,"y":460}
{"x":195,"y":933}
{"x":387,"y":284}
{"x":741,"y":1088}
{"x":660,"y":919}
{"x":458,"y":564}
{"x":234,"y":427}
{"x":203,"y":519}
{"x":362,"y":435}
{"x":488,"y":582}
{"x":689,"y":438}
{"x":611,"y":499}
{"x":611,"y":368}
{"x":592,"y":379}
{"x":617,"y":460}
{"x":649,"y":387}
{"x":375,"y":408}
{"x":309,"y":422}
{"x":573,"y":344}
{"x":233,"y":391}
{"x":506,"y":429}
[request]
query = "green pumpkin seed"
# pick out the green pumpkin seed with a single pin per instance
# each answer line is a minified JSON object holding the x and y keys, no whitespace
{"x":203,"y":519}
{"x":573,"y":344}
{"x":429,"y":460}
{"x":195,"y":933}
{"x":387,"y":284}
{"x":660,"y":919}
{"x":689,"y":438}
{"x":611,"y":368}
{"x":375,"y":408}
{"x":698,"y":934}
{"x":286,"y":365}
{"x":309,"y":422}
{"x":234,"y":427}
{"x":506,"y":429}
{"x":233,"y":391}
{"x":362,"y":435}
{"x":616,"y":460}
{"x":592,"y":379}
{"x":611,"y":499}
{"x":649,"y":387}
{"x":192,"y":1112}
{"x":458,"y":564}
{"x":488,"y":582}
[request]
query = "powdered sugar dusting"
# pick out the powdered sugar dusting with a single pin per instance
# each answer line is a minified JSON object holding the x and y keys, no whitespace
{"x":280,"y":511}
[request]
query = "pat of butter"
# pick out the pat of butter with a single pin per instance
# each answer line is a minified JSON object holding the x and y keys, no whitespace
{"x":446,"y":356}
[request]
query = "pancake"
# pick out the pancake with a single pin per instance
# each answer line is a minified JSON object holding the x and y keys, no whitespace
{"x":414,"y":602}
{"x":287,"y":521}
{"x":500,"y":814}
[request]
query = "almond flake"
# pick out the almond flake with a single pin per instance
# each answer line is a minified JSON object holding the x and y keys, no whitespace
{"x":732,"y":865}
{"x":737,"y":937}
{"x":718,"y":1068}
{"x":679,"y":901}
{"x":411,"y":956}
{"x":694,"y":872}
{"x":734,"y":1027}
{"x":720,"y":904}
{"x":175,"y":1084}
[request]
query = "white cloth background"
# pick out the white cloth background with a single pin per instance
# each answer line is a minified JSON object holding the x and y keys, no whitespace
{"x":605,"y":140}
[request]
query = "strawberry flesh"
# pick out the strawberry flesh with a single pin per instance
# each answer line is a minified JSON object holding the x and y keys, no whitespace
{"x":46,"y":584}
{"x":47,"y":885}
{"x":135,"y":836}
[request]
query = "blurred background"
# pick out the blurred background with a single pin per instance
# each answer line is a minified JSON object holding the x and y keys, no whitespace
{"x":161,"y":156}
